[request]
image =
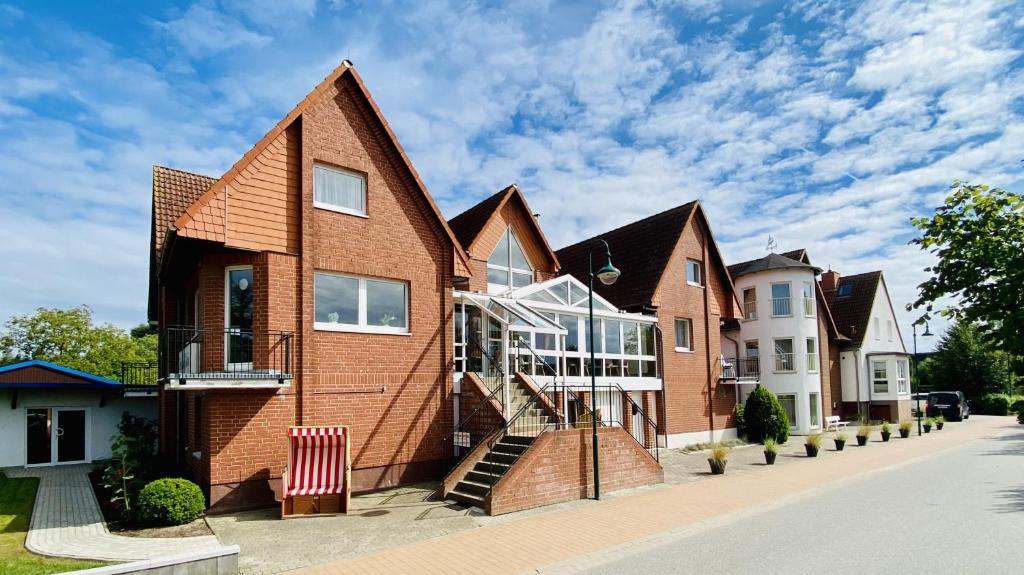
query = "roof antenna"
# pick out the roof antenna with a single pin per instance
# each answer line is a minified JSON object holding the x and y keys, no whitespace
{"x":772,"y":244}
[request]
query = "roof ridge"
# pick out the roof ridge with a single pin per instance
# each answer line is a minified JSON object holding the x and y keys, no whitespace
{"x":633,"y":223}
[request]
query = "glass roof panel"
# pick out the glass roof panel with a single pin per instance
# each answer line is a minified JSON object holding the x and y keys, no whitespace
{"x":543,"y":296}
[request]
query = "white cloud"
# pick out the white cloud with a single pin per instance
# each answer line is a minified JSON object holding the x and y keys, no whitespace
{"x":203,"y":30}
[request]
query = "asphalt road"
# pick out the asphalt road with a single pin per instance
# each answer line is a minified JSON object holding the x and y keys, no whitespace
{"x":960,"y":511}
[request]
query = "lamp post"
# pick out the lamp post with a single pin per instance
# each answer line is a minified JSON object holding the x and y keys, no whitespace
{"x":607,"y":274}
{"x":917,"y":396}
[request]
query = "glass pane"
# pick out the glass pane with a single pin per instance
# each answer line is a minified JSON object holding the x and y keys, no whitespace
{"x":632,"y":368}
{"x":385,"y":304}
{"x":692,"y":271}
{"x":545,"y":341}
{"x":753,"y":348}
{"x":38,"y":433}
{"x":646,"y":339}
{"x":518,"y":258}
{"x":240,"y":290}
{"x":630,"y":338}
{"x":573,"y":366}
{"x":335,"y":299}
{"x":542,"y":296}
{"x":780,"y":290}
{"x":814,"y":409}
{"x":612,"y":368}
{"x":749,"y":295}
{"x":597,"y":335}
{"x":521,"y":280}
{"x":499,"y":256}
{"x":649,"y":368}
{"x":338,"y":188}
{"x":789,"y":406}
{"x":496,"y":276}
{"x":612,"y":339}
{"x":561,"y":291}
{"x":572,"y":328}
{"x":578,"y":294}
{"x":683,"y":333}
{"x":783,"y":346}
{"x":459,"y":319}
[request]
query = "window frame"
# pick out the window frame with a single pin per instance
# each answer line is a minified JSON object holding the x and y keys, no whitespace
{"x":509,"y":269}
{"x":877,"y":327}
{"x":810,"y":305}
{"x":689,"y":334}
{"x":343,"y":209}
{"x":700,"y":272}
{"x":814,"y":409}
{"x":792,"y":354}
{"x":875,"y":379}
{"x":796,"y":413}
{"x":809,"y":344}
{"x":901,"y":376}
{"x":749,"y":314}
{"x":771,"y":291}
{"x":361,"y":307}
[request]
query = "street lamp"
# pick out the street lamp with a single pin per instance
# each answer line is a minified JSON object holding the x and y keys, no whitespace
{"x":917,"y":396}
{"x":607,"y":274}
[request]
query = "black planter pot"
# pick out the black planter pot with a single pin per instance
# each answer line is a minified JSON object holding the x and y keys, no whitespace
{"x":938,"y":425}
{"x":862,"y":441}
{"x":812,"y":451}
{"x":904,"y":433}
{"x":886,"y":435}
{"x":927,"y":428}
{"x":717,"y":467}
{"x":840,"y":444}
{"x":769,"y":457}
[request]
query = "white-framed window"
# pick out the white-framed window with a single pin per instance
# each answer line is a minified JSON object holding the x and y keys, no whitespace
{"x":901,"y":375}
{"x":809,"y":299}
{"x":750,"y":303}
{"x":878,"y":329}
{"x":782,"y":301}
{"x":752,"y":347}
{"x":784,"y":355}
{"x":694,"y":273}
{"x":879,"y":377}
{"x":353,"y":303}
{"x":508,"y":268}
{"x":814,"y":401}
{"x":339,"y":190}
{"x":888,"y":325}
{"x":788,"y":401}
{"x":684,"y":334}
{"x":812,"y":355}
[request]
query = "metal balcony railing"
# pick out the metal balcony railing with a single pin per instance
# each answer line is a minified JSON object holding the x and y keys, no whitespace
{"x":188,"y":353}
{"x":742,"y":368}
{"x":785,"y":362}
{"x":750,"y":310}
{"x":782,"y":306}
{"x":140,"y":376}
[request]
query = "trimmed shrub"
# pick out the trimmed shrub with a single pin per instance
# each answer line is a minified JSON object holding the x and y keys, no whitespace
{"x":741,"y":422}
{"x":1017,"y":406}
{"x":170,"y":501}
{"x":1020,"y":416}
{"x":992,"y":404}
{"x":764,"y":417}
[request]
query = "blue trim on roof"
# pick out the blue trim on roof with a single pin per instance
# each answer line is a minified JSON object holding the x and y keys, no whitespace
{"x":96,"y":382}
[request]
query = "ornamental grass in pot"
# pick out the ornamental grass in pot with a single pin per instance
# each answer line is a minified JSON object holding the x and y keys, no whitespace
{"x":719,"y":457}
{"x":771,"y":451}
{"x":928,"y":422}
{"x":812,"y":444}
{"x":886,"y":431}
{"x":840,"y":440}
{"x":905,"y":428}
{"x":863,"y":433}
{"x":939,"y":422}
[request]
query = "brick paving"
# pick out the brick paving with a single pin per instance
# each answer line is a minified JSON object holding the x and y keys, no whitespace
{"x":67,"y":522}
{"x":594,"y":527}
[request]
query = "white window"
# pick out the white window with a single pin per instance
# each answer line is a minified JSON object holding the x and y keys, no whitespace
{"x":812,"y":355}
{"x":782,"y":304}
{"x":694,"y":273}
{"x":788,"y":402}
{"x":684,"y":335}
{"x":880,"y":377}
{"x":339,"y":190}
{"x":808,"y":299}
{"x":350,"y":303}
{"x":750,"y":303}
{"x":878,"y":330}
{"x":888,"y":324}
{"x":508,"y":268}
{"x":901,"y":375}
{"x":784,"y":355}
{"x":813,"y":397}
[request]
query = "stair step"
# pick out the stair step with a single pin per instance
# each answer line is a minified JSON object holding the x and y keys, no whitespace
{"x":496,"y":457}
{"x":467,"y":499}
{"x":473,"y":487}
{"x":483,"y":477}
{"x":498,"y":469}
{"x":510,"y":448}
{"x":519,"y":439}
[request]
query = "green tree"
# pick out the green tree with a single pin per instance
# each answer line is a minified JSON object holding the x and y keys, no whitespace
{"x":978,"y":238}
{"x":965,"y":361}
{"x":69,"y":338}
{"x":764,"y":417}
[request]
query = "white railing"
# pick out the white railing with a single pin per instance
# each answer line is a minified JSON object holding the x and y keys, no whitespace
{"x":782,"y":306}
{"x":784,"y":362}
{"x":750,"y":310}
{"x":808,"y":306}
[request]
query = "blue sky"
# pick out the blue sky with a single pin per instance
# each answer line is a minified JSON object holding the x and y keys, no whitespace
{"x":826,"y":124}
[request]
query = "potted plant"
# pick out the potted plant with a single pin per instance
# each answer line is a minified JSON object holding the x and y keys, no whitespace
{"x":812,"y":444}
{"x":719,"y":457}
{"x":840,"y":440}
{"x":939,"y":422}
{"x":905,"y":428}
{"x":771,"y":451}
{"x":928,"y":422}
{"x":886,"y":431}
{"x":863,"y":433}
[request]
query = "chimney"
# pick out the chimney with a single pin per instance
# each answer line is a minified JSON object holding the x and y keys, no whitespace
{"x":829,"y":280}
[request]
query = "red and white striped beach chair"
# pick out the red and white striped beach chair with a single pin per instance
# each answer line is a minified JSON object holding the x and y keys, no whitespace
{"x":318,"y":477}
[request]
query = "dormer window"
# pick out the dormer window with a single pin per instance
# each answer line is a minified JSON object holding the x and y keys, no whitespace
{"x":508,"y":268}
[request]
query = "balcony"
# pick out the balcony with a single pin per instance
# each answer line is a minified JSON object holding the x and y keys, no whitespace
{"x":742,"y":369}
{"x":192,"y":358}
{"x":140,"y":377}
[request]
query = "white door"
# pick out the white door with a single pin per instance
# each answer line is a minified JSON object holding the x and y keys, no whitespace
{"x":639,"y":422}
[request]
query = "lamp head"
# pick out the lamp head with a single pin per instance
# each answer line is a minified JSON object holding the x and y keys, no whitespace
{"x":927,"y":332}
{"x":608,"y":273}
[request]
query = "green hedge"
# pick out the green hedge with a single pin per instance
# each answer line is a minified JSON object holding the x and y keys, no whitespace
{"x":994,"y":404}
{"x":764,"y":417}
{"x":170,"y":502}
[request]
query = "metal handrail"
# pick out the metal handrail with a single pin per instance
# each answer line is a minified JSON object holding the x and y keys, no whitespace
{"x":463,"y":422}
{"x":189,"y":351}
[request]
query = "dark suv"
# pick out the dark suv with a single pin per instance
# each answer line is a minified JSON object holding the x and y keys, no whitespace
{"x":951,"y":405}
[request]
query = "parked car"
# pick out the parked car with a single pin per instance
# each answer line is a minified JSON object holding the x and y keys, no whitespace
{"x":923,"y":397}
{"x":951,"y":405}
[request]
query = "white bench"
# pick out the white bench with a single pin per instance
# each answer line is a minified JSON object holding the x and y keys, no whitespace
{"x":833,"y":422}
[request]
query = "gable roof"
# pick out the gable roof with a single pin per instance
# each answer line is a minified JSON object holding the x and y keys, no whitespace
{"x":853,"y":312}
{"x":36,"y":374}
{"x":468,"y":225}
{"x":173,"y":192}
{"x":204,"y":217}
{"x":771,"y":261}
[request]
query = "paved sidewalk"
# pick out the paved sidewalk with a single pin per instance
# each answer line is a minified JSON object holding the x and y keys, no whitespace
{"x":547,"y":539}
{"x":67,"y":522}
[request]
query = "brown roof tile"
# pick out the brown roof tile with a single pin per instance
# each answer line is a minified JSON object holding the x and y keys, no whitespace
{"x":468,"y":225}
{"x":852,"y":312}
{"x":173,"y":192}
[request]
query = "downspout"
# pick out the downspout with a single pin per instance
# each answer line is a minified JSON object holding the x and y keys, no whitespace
{"x":707,"y":335}
{"x":856,"y":378}
{"x":659,"y":350}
